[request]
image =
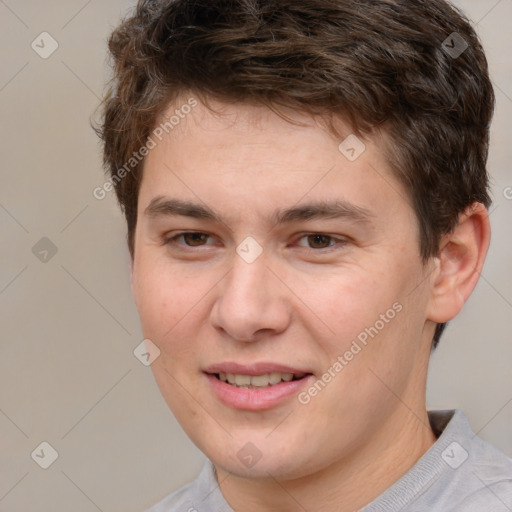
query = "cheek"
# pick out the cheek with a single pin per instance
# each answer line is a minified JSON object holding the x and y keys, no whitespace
{"x":344,"y":303}
{"x":162,"y":296}
{"x":173,"y":304}
{"x":366,"y":315}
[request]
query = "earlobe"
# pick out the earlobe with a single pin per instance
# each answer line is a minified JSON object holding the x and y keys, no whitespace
{"x":460,"y":261}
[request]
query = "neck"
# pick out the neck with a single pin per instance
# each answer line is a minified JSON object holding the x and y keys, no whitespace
{"x":348,"y":484}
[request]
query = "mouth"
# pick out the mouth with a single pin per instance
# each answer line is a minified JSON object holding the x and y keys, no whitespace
{"x":264,"y":380}
{"x":256,"y":387}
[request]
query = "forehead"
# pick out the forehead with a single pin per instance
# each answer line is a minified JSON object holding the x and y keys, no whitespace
{"x":250,"y":156}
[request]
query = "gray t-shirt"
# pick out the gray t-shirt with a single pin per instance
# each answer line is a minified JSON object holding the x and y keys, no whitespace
{"x":459,"y":473}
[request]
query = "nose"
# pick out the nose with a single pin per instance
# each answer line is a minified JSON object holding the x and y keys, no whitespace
{"x":251,"y":302}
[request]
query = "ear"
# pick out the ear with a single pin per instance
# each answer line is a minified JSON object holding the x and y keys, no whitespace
{"x":459,"y":263}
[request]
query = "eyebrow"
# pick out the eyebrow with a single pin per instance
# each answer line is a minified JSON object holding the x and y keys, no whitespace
{"x":164,"y":206}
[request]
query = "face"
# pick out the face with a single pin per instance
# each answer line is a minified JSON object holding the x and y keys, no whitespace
{"x":264,"y":254}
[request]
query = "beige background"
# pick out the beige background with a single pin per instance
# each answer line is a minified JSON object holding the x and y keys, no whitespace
{"x":68,"y":375}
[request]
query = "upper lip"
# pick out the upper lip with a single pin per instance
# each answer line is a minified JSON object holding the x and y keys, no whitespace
{"x":253,"y":368}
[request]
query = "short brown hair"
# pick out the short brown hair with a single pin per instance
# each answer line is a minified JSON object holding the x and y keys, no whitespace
{"x":374,"y":63}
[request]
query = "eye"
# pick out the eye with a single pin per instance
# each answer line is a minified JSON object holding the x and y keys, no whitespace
{"x":190,"y":239}
{"x":320,"y":241}
{"x":312,"y":241}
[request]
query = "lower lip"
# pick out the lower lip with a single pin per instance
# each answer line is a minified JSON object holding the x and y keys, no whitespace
{"x":256,"y":399}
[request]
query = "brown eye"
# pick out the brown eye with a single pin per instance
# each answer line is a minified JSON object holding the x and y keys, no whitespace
{"x":194,"y":239}
{"x":319,"y":241}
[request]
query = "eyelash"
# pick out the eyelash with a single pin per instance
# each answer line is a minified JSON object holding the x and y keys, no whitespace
{"x":338,"y":241}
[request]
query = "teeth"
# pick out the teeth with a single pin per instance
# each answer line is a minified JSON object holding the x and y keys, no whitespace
{"x":260,"y":381}
{"x":275,"y":378}
{"x":257,"y":381}
{"x":242,"y":380}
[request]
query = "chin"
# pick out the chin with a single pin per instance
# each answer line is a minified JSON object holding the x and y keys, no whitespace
{"x":257,"y":459}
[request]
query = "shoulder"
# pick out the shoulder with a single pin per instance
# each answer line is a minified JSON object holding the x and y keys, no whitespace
{"x":477,"y":477}
{"x":180,"y":500}
{"x":459,"y":473}
{"x":201,"y":495}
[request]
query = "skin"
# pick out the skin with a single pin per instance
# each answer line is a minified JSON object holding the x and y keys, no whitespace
{"x":300,"y":303}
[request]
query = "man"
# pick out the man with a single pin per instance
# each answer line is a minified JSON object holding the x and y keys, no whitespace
{"x":306,"y":196}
